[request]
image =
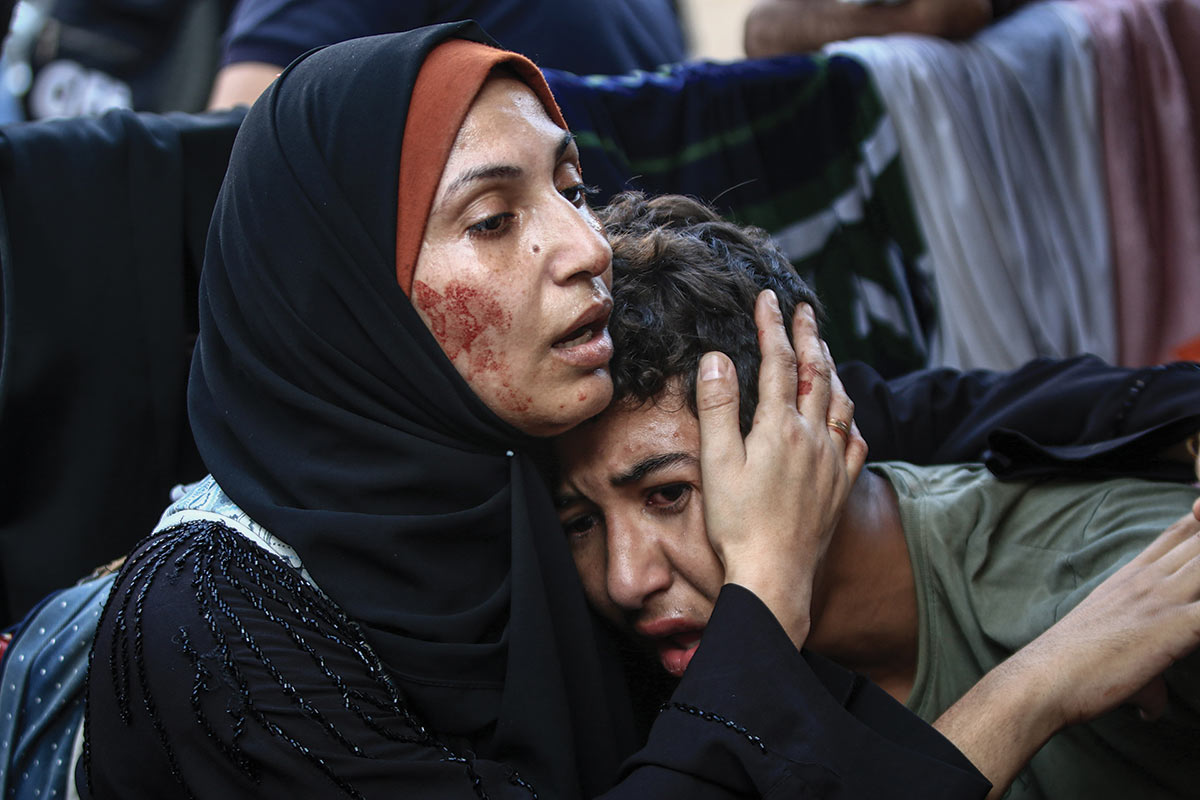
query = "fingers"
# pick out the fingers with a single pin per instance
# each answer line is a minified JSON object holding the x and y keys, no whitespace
{"x":1173,"y":548}
{"x":1193,"y":448}
{"x":1151,"y":699}
{"x":856,"y":453}
{"x":777,"y":375}
{"x":813,"y":389}
{"x":840,"y":416}
{"x":717,"y":404}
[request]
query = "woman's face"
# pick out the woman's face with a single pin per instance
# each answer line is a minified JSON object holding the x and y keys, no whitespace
{"x":514,"y":272}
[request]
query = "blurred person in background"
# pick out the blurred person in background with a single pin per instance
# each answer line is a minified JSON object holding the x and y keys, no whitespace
{"x":66,"y":58}
{"x":776,"y":27}
{"x":585,"y":36}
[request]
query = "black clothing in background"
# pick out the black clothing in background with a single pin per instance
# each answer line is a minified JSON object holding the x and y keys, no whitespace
{"x":1076,"y":417}
{"x":101,"y":239}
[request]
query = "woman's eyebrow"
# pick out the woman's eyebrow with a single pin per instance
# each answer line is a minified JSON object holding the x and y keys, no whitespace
{"x":489,"y":172}
{"x":484,"y":173}
{"x":566,"y":141}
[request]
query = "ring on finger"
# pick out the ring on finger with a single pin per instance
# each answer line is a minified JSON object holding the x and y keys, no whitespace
{"x":838,"y":425}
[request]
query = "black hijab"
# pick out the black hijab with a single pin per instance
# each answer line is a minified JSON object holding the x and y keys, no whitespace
{"x":328,"y":412}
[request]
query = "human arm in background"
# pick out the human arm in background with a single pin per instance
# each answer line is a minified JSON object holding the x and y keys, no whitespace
{"x":264,"y":36}
{"x":1077,"y":416}
{"x":776,"y":27}
{"x":241,"y":83}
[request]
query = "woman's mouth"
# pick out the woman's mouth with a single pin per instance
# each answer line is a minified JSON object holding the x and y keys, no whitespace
{"x":587,"y":345}
{"x":581,"y":335}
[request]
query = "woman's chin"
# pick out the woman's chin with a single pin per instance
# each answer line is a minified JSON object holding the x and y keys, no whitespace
{"x":583,"y":400}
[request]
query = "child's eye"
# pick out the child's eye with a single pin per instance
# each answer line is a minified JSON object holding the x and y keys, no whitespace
{"x":580,"y":525}
{"x":671,"y":497}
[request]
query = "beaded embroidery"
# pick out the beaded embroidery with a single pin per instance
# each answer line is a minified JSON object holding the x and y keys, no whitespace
{"x":221,"y":562}
{"x":708,"y":716}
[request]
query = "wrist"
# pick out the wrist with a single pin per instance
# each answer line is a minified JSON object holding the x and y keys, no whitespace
{"x":1028,"y":687}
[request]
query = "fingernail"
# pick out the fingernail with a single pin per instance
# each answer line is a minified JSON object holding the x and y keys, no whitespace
{"x":772,"y":299}
{"x":710,"y":367}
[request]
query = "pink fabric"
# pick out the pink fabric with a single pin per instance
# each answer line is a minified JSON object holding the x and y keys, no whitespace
{"x":1148,"y":70}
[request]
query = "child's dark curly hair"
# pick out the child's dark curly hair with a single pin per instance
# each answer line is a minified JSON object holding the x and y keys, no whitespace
{"x":684,"y":283}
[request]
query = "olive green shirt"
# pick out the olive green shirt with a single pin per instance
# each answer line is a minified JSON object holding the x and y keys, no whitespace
{"x":995,"y":564}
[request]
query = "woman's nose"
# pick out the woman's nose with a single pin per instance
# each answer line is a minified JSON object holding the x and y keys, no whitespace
{"x":581,"y":248}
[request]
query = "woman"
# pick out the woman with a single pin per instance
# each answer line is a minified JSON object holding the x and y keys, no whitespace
{"x":370,"y":596}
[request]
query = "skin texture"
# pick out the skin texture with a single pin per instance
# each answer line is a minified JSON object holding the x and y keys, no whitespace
{"x":513,"y":274}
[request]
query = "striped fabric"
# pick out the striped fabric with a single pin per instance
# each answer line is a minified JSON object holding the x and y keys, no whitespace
{"x":800,"y":146}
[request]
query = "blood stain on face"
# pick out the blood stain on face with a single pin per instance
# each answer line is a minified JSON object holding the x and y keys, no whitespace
{"x":457,"y":316}
{"x":515,"y":402}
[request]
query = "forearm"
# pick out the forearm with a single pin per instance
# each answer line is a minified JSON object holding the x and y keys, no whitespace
{"x":1002,"y":722}
{"x":940,"y":416}
{"x":775,"y":27}
{"x":241,"y":84}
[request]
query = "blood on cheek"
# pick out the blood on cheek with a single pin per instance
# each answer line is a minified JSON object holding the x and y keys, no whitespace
{"x":459,"y":315}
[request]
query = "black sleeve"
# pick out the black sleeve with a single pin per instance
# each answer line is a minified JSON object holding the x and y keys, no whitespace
{"x":1050,"y":417}
{"x":217,"y":672}
{"x":755,"y":717}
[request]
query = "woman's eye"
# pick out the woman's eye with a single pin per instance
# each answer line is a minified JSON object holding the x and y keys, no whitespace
{"x":670,"y":498}
{"x":492,"y":225}
{"x":577,"y":194}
